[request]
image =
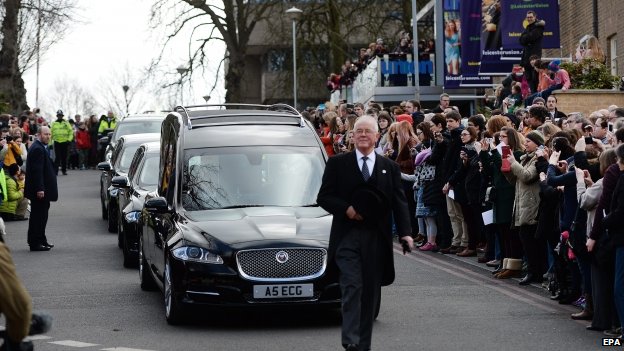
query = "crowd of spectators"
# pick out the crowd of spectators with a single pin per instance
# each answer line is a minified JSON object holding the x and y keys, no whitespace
{"x":352,"y":67}
{"x":17,"y":133}
{"x":536,"y":194}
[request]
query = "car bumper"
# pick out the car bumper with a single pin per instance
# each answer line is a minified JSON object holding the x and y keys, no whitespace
{"x":207,"y":284}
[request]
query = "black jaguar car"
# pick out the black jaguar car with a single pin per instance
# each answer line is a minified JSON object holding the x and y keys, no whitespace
{"x":121,"y":157}
{"x":234,"y":219}
{"x":142,"y":178}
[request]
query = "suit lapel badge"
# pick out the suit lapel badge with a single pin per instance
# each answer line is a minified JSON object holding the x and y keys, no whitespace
{"x":383,"y":171}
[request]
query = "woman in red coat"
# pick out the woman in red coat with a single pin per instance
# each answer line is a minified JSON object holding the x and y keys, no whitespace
{"x":83,"y":144}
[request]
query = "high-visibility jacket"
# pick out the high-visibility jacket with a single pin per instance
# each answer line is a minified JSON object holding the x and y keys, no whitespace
{"x":62,"y":131}
{"x":105,"y":124}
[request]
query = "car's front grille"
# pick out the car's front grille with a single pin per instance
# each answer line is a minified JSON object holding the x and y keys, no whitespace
{"x":297,"y":264}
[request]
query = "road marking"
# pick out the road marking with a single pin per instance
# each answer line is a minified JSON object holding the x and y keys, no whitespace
{"x":479,"y":279}
{"x":124,"y":349}
{"x":72,"y":343}
{"x":37,"y":337}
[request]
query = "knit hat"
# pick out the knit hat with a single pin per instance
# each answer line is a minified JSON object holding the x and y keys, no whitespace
{"x":554,"y":65}
{"x":536,"y":137}
{"x":513,"y":119}
{"x":539,"y":99}
{"x":405,"y":117}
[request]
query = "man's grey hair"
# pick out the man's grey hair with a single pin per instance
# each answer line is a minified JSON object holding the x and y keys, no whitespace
{"x":364,"y":119}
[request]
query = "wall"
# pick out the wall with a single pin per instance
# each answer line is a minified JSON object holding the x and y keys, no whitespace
{"x":587,"y":101}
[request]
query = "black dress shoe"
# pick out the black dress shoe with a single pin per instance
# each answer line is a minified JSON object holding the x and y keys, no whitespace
{"x":40,"y":248}
{"x":591,"y":327}
{"x":352,"y":347}
{"x":48,"y":245}
{"x":528,"y":279}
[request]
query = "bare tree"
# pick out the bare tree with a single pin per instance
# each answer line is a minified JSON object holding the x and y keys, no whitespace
{"x":229,"y":21}
{"x":121,"y":90}
{"x":29,"y":27}
{"x":71,"y":97}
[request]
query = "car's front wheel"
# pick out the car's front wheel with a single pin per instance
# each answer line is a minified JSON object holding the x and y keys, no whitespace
{"x":174,"y":309}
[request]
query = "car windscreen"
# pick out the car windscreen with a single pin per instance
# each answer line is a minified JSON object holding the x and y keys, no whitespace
{"x":149,"y":172}
{"x":217,"y":178}
{"x":124,"y":160}
{"x":137,"y":127}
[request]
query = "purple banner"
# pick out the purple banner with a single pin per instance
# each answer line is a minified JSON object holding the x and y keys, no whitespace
{"x":513,"y":21}
{"x":471,"y":37}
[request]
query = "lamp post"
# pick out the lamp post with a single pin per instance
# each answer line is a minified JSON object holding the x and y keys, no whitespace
{"x":125,"y":90}
{"x":182,"y":70}
{"x":206,"y":98}
{"x":294,"y":13}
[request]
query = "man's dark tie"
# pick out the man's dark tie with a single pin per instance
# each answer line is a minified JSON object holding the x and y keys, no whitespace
{"x":365,"y":171}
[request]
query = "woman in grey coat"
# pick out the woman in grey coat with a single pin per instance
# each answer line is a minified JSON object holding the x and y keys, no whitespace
{"x":525,"y":176}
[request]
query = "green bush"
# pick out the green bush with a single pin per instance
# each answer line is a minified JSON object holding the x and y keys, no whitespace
{"x":590,"y":74}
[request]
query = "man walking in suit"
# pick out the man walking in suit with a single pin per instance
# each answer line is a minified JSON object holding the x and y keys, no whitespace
{"x":362,"y":190}
{"x":40,"y":188}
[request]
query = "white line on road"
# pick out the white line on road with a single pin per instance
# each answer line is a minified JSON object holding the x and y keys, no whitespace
{"x":72,"y":343}
{"x":37,"y":337}
{"x":124,"y":349}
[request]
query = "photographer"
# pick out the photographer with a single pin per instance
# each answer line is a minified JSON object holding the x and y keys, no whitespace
{"x":13,"y":153}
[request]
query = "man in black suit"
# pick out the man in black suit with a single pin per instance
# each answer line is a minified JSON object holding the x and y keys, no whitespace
{"x":40,"y":188}
{"x":362,"y":190}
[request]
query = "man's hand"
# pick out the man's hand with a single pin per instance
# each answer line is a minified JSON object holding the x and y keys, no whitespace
{"x":353,"y":215}
{"x":408,"y":243}
{"x":590,"y":245}
{"x":40,"y":195}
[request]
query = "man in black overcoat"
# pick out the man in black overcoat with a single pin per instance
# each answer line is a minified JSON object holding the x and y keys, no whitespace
{"x":362,"y":190}
{"x":531,"y":41}
{"x":40,"y":188}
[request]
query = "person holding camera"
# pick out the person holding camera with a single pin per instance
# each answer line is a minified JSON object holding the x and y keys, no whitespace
{"x":13,"y":152}
{"x":62,"y":136}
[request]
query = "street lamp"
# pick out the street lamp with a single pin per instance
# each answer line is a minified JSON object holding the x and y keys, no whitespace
{"x":182,"y":70}
{"x":125,"y":90}
{"x":206,"y":98}
{"x":294,"y":13}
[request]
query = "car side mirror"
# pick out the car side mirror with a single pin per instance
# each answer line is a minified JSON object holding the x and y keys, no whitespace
{"x":104,"y":166}
{"x":120,"y":182}
{"x":110,"y":135}
{"x":103,"y":141}
{"x":156,"y":205}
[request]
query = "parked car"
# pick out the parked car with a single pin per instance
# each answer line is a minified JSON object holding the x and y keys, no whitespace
{"x":142,"y":178}
{"x":132,"y":124}
{"x":234,"y":219}
{"x":120,"y":162}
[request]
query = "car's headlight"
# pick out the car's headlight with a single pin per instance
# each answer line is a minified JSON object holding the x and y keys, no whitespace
{"x":133,"y":216}
{"x":196,"y":254}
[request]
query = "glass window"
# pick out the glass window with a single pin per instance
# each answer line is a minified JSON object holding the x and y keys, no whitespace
{"x":137,"y":127}
{"x":123,"y":162}
{"x":149,"y":172}
{"x":218,"y":178}
{"x":276,"y":60}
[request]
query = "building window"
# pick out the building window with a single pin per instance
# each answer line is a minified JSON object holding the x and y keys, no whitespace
{"x":613,"y":54}
{"x":276,"y":61}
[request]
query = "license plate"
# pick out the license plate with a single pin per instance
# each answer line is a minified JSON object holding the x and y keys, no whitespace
{"x":282,"y":291}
